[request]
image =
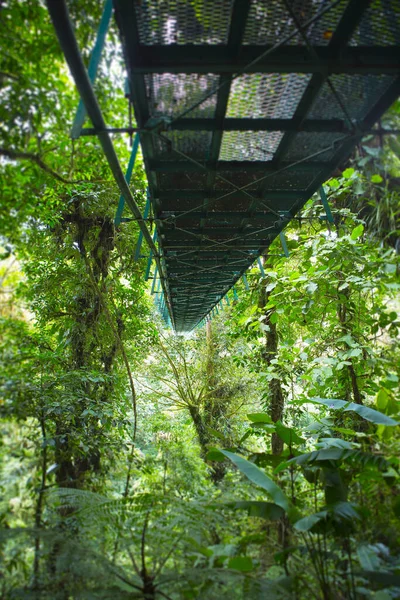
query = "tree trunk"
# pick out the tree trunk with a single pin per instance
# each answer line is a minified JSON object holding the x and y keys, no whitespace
{"x":276,"y":396}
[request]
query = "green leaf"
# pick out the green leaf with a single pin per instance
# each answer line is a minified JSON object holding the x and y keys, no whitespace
{"x":386,"y":579}
{"x":241,"y":563}
{"x":357,"y":232}
{"x":52,"y":468}
{"x":216,"y":433}
{"x":369,"y":561}
{"x":262,"y":459}
{"x":369,"y":414}
{"x":341,"y":454}
{"x":273,"y":318}
{"x":382,"y":399}
{"x":306,"y":523}
{"x":348,"y":173}
{"x":271,"y":286}
{"x":376,"y":178}
{"x":288,"y":435}
{"x":344,"y":510}
{"x":207,"y":552}
{"x":333,"y":183}
{"x":335,"y":442}
{"x":259,"y":478}
{"x":312,"y":287}
{"x":259,"y":418}
{"x":215,"y":454}
{"x":255,"y":508}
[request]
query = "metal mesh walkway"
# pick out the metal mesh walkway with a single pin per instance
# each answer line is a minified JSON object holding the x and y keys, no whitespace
{"x":249,"y":106}
{"x":244,"y":107}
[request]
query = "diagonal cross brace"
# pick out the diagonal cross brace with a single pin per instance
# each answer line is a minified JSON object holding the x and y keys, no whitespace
{"x":128,"y":176}
{"x":93,"y":65}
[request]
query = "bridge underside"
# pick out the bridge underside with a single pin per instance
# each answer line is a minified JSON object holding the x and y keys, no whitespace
{"x":245,"y":107}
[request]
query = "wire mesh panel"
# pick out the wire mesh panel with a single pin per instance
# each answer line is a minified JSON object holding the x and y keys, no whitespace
{"x":249,"y":145}
{"x":169,"y":95}
{"x":173,"y":144}
{"x":320,"y":146}
{"x":357,"y":93}
{"x":270,"y":22}
{"x":380,"y":25}
{"x":251,"y":105}
{"x":262,"y":95}
{"x":183,"y":21}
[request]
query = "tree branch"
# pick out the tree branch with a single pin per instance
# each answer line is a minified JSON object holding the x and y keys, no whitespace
{"x":35,"y":158}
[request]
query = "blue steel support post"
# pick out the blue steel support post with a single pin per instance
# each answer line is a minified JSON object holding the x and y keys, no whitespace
{"x":140,"y":238}
{"x":260,"y":266}
{"x":235,"y":294}
{"x":246,"y":283}
{"x":153,"y":286}
{"x":128,"y":176}
{"x":284,"y":244}
{"x":325,"y":204}
{"x":93,"y":65}
{"x":147,"y":274}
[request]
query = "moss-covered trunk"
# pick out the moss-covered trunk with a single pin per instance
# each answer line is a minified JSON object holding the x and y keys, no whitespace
{"x":270,"y":352}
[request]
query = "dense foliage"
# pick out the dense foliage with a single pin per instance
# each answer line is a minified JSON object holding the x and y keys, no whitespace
{"x":256,"y":457}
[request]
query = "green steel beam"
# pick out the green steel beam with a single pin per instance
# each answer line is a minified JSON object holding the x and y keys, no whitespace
{"x":287,"y":59}
{"x":250,"y":124}
{"x":172,"y":166}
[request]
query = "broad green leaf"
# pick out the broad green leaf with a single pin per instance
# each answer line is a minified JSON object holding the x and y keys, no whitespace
{"x":368,"y":558}
{"x":271,"y":286}
{"x":345,"y":510}
{"x":261,"y":459}
{"x":52,"y":468}
{"x":215,"y":454}
{"x":259,"y":478}
{"x":312,"y":287}
{"x":348,"y":173}
{"x":215,"y":433}
{"x":333,"y":183}
{"x":207,"y":552}
{"x":241,"y":563}
{"x":255,"y":508}
{"x":341,"y":454}
{"x":384,"y":578}
{"x":288,"y":435}
{"x":259,"y":418}
{"x":273,"y":318}
{"x":382,"y":399}
{"x":369,"y":414}
{"x":357,"y":232}
{"x":335,"y":443}
{"x":376,"y":178}
{"x":270,"y":427}
{"x":306,"y":523}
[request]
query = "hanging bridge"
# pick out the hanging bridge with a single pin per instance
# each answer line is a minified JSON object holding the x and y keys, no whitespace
{"x":243,"y":109}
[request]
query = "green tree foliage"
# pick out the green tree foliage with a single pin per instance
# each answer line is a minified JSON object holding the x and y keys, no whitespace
{"x":257,"y":457}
